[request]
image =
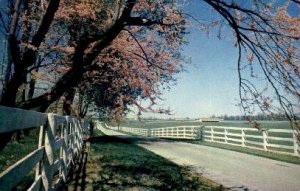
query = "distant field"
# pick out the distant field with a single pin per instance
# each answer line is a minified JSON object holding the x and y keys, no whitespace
{"x":173,"y":123}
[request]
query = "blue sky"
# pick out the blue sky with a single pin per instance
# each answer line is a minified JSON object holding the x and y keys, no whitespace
{"x":210,"y":85}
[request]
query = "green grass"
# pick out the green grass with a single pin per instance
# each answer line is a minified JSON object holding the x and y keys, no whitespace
{"x":117,"y":164}
{"x":15,"y":151}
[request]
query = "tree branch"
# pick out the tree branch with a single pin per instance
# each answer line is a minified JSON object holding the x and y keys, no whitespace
{"x":45,"y":23}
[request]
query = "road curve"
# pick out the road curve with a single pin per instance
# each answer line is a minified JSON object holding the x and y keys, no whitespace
{"x":235,"y":170}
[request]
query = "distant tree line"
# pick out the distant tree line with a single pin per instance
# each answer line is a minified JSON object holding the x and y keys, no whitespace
{"x":260,"y":116}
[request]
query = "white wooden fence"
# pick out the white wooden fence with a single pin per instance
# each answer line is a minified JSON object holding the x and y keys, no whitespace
{"x":179,"y":132}
{"x":274,"y":140}
{"x":136,"y":131}
{"x":60,"y":143}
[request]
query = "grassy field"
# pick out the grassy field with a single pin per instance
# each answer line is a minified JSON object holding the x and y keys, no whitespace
{"x":117,"y":164}
{"x":15,"y":151}
{"x":172,"y":123}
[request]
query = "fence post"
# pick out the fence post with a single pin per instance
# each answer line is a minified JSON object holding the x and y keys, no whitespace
{"x":265,"y":139}
{"x":202,"y":131}
{"x":196,"y":133}
{"x":212,"y":133}
{"x":296,"y":144}
{"x":61,"y":151}
{"x":225,"y":135}
{"x":48,"y":161}
{"x":243,"y":137}
{"x":184,"y":129}
{"x":40,"y":144}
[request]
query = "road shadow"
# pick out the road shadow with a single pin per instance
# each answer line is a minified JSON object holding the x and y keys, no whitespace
{"x":113,"y":163}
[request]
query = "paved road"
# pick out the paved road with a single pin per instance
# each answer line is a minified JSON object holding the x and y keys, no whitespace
{"x":232,"y":169}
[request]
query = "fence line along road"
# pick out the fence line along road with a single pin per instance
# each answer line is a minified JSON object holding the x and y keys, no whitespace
{"x":60,"y":143}
{"x":282,"y":141}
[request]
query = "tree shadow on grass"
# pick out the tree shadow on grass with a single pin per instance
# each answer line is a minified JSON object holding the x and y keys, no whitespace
{"x":117,"y":164}
{"x":77,"y":174}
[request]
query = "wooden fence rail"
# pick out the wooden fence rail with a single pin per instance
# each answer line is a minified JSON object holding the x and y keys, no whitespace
{"x":60,"y":143}
{"x":179,"y":132}
{"x":274,"y":140}
{"x":136,"y":131}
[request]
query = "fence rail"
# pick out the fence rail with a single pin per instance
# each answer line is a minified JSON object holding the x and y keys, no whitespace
{"x":60,"y":142}
{"x":274,"y":140}
{"x":179,"y":132}
{"x":136,"y":131}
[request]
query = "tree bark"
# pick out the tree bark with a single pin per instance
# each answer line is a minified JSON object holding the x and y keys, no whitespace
{"x":9,"y":90}
{"x":5,"y":137}
{"x":67,"y":104}
{"x":29,"y":56}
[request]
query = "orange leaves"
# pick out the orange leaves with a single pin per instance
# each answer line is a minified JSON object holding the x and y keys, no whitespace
{"x":250,"y":58}
{"x":138,"y":62}
{"x":59,"y":48}
{"x":289,"y":25}
{"x":38,"y":76}
{"x":266,"y":104}
{"x":291,"y":50}
{"x":62,"y":69}
{"x":84,"y":9}
{"x":78,"y":9}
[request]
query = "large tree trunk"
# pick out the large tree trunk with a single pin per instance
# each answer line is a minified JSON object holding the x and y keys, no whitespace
{"x":8,"y":97}
{"x":67,"y":104}
{"x":71,"y":78}
{"x":29,"y":56}
{"x":33,"y":82}
{"x":65,"y":84}
{"x":83,"y":106}
{"x":11,"y":86}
